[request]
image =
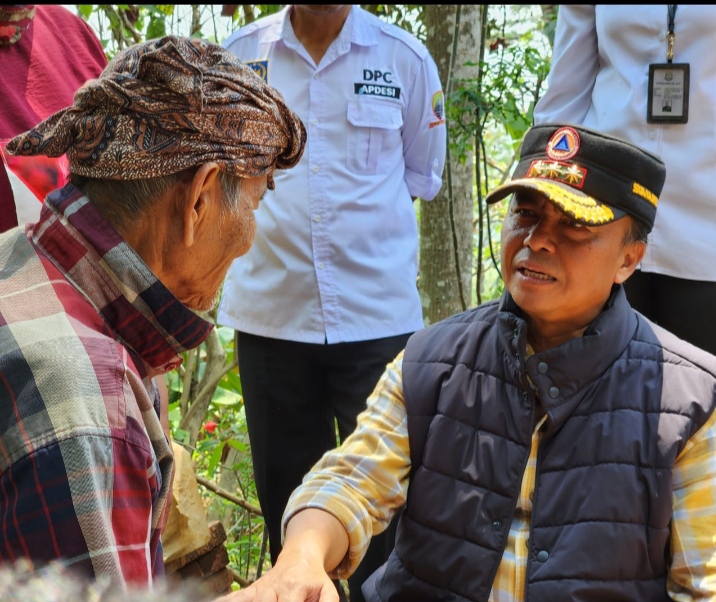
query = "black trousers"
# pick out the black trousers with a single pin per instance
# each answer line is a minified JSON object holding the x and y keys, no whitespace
{"x":684,"y":307}
{"x":294,"y":394}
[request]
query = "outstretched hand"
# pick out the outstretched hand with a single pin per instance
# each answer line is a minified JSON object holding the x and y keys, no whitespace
{"x":316,"y":542}
{"x":291,"y":580}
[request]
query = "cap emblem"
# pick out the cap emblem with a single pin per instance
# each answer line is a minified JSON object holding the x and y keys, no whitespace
{"x":569,"y":173}
{"x":563,"y":144}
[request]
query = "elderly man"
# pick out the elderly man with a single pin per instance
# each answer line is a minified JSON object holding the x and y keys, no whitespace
{"x":170,"y":151}
{"x":552,"y":446}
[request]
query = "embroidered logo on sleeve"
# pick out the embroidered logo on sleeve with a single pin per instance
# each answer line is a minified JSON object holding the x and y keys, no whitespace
{"x":438,"y":104}
{"x":260,"y":68}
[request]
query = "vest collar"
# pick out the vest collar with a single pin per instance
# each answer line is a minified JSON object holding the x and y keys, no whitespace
{"x":562,"y":375}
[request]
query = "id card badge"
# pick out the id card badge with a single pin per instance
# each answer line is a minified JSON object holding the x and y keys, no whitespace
{"x":668,"y":93}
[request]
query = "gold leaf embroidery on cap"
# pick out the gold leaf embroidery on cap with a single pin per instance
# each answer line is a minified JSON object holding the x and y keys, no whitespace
{"x":580,"y":207}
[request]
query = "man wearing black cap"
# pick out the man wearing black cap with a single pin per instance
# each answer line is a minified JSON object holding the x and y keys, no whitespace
{"x":554,"y":445}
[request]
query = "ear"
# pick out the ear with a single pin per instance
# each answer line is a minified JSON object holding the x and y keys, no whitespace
{"x":202,"y":192}
{"x":633,"y":254}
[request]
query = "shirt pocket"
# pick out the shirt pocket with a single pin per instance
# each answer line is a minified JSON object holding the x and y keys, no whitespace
{"x":373,"y":136}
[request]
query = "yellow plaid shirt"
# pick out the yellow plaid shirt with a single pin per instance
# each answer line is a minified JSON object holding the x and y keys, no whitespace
{"x":363,"y":482}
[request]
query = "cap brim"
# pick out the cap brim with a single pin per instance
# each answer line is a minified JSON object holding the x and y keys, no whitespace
{"x":580,"y":207}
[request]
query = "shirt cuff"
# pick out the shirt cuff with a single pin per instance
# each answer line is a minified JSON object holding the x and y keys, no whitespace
{"x":350,"y":514}
{"x":420,"y":185}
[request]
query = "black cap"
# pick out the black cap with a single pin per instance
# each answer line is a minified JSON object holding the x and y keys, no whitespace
{"x":593,"y":177}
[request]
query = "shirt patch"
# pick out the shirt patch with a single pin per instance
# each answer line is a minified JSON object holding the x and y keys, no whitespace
{"x":439,"y":105}
{"x":260,"y":68}
{"x":376,"y":90}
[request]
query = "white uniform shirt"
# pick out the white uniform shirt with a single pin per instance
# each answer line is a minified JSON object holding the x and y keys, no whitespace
{"x":335,"y":255}
{"x":599,"y":78}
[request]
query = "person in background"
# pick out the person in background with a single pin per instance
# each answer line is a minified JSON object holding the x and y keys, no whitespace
{"x":550,"y":446}
{"x":170,"y":150}
{"x":328,"y":294}
{"x":649,"y":76}
{"x":46,"y":54}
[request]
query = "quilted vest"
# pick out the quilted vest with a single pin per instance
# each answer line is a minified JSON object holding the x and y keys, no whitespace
{"x":621,"y":403}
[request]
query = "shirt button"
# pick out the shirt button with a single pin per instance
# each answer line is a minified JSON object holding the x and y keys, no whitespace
{"x":315,"y":168}
{"x":553,"y":392}
{"x":314,"y":121}
{"x":542,"y":368}
{"x":320,"y":266}
{"x":542,"y":555}
{"x":497,"y":525}
{"x":317,"y":218}
{"x":315,"y":76}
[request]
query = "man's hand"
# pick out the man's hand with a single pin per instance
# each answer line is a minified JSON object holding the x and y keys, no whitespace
{"x":315,"y":543}
{"x":291,"y":580}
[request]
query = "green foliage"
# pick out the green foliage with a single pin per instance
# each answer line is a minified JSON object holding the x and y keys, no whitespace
{"x":224,"y":429}
{"x":406,"y":16}
{"x":491,"y":113}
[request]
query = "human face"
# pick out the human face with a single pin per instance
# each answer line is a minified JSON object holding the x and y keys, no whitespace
{"x":221,"y":236}
{"x":558,"y":272}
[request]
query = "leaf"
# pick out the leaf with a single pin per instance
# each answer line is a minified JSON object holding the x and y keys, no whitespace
{"x":174,"y":414}
{"x":226,"y":336}
{"x":214,"y":459}
{"x":157,"y":28}
{"x":85,"y":10}
{"x":232,"y":382}
{"x":182,"y":436}
{"x":226,"y":397}
{"x":237,"y":445}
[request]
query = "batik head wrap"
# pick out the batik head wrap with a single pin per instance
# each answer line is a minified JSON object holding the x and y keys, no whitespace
{"x":167,"y":105}
{"x":15,"y":19}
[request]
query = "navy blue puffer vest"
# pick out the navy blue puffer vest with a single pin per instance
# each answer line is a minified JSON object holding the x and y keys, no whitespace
{"x":621,"y":401}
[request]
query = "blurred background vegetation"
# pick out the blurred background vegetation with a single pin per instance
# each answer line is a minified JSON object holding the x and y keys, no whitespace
{"x":493,"y":61}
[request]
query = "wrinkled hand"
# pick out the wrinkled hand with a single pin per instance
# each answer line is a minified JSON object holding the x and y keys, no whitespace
{"x":294,"y":579}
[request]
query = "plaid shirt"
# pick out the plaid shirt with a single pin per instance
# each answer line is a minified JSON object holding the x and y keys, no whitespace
{"x":85,"y":326}
{"x":375,"y":461}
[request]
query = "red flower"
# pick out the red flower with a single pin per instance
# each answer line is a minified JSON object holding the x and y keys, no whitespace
{"x":210,"y":426}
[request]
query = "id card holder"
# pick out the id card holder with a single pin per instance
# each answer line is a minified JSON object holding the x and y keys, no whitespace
{"x":668,"y":93}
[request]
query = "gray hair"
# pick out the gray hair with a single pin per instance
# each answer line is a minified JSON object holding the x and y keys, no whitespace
{"x":123,"y":202}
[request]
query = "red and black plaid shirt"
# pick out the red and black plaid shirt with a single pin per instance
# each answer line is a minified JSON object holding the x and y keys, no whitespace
{"x":85,"y":326}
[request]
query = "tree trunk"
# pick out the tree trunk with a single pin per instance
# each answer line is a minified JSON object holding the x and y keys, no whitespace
{"x":439,"y":290}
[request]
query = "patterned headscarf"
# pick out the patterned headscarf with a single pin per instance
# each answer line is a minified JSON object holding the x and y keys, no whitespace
{"x":167,"y":105}
{"x":15,"y":19}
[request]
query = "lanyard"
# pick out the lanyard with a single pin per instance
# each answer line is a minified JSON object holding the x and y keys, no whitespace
{"x":670,"y":35}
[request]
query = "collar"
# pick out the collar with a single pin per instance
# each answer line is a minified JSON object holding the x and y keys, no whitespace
{"x":563,"y":374}
{"x":358,"y":29}
{"x":141,"y":312}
